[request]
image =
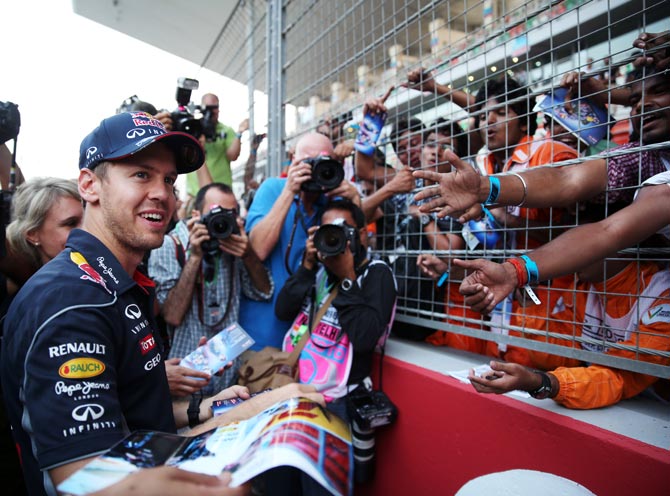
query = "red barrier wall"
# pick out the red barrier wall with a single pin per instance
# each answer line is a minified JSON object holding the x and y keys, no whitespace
{"x":447,"y":434}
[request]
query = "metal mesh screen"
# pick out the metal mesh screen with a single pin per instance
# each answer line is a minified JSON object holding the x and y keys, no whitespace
{"x":325,"y":58}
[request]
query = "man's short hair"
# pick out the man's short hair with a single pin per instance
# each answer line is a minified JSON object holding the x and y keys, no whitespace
{"x":402,"y":126}
{"x":506,"y":90}
{"x":349,"y":206}
{"x":200,"y":196}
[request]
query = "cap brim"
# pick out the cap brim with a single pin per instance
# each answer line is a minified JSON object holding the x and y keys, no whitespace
{"x":189,"y":155}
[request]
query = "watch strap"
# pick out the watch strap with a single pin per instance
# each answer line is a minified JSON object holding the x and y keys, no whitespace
{"x":544,"y":389}
{"x":194,"y":410}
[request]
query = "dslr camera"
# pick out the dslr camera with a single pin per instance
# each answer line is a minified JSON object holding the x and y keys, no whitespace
{"x":188,"y":117}
{"x":371,"y":409}
{"x":10,"y":121}
{"x":221,"y":223}
{"x":327,"y":174}
{"x":331,"y":239}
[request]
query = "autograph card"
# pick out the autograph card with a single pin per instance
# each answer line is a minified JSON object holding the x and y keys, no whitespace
{"x":224,"y":347}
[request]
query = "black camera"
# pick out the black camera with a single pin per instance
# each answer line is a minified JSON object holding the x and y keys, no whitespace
{"x":331,"y":239}
{"x":370,"y":409}
{"x":221,"y":223}
{"x":184,"y":118}
{"x":327,"y":174}
{"x":208,"y":123}
{"x":10,"y":121}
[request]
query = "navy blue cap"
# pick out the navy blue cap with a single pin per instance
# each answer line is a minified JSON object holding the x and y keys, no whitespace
{"x":125,"y":134}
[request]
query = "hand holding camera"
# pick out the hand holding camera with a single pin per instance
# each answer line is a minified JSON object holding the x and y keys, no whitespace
{"x":207,"y":232}
{"x":336,"y":244}
{"x":309,"y":258}
{"x":298,"y":174}
{"x":197,"y":235}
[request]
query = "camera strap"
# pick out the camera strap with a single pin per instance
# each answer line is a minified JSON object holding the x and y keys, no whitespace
{"x":313,"y":321}
{"x":201,"y":288}
{"x":297,"y":217}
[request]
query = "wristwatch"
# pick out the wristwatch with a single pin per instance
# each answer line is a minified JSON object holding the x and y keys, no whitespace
{"x":346,"y":284}
{"x":544,"y":390}
{"x":425,"y":220}
{"x":194,"y":410}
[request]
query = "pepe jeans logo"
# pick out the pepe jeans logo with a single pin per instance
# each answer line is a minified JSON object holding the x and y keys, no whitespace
{"x":133,"y":312}
{"x":83,"y":387}
{"x":88,"y":412}
{"x":106,"y":270}
{"x":91,"y":151}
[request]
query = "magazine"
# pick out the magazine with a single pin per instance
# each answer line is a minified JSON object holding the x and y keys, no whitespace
{"x":296,"y":432}
{"x":588,"y":121}
{"x":222,"y":348}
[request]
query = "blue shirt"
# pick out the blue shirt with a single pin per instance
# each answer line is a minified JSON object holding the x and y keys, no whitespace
{"x":82,"y":363}
{"x":256,"y":317}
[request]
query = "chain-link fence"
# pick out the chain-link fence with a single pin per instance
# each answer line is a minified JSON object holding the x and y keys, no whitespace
{"x":488,"y":80}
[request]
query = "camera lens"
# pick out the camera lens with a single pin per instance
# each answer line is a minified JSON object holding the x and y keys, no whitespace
{"x":330,"y":240}
{"x":328,"y":174}
{"x":363,"y":441}
{"x":219,"y":226}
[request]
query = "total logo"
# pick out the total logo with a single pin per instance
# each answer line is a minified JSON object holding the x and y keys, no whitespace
{"x":88,"y":412}
{"x":147,"y":344}
{"x":81,"y":368}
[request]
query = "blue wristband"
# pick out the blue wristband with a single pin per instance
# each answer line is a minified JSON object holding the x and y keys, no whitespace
{"x":443,"y":278}
{"x":494,"y":190}
{"x":531,"y":270}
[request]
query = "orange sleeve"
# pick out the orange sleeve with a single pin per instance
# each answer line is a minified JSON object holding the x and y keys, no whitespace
{"x":597,"y":386}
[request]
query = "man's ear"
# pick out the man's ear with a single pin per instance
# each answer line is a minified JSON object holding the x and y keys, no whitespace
{"x":89,"y":186}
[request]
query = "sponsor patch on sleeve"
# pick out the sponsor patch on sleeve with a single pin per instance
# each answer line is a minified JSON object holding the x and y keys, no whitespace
{"x":659,"y":313}
{"x":81,"y":368}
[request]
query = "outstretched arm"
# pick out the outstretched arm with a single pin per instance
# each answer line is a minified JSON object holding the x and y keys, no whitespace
{"x":490,"y":282}
{"x":457,"y":191}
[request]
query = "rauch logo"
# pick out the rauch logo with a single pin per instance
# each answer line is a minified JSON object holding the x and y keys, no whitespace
{"x":81,"y":368}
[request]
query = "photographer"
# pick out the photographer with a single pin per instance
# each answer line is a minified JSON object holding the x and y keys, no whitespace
{"x":222,"y":146}
{"x":277,"y":222}
{"x":200,"y":271}
{"x":359,"y":297}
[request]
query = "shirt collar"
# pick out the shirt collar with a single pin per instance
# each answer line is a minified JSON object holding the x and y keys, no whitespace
{"x":99,"y":264}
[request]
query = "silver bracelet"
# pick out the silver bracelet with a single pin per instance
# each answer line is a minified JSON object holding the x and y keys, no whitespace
{"x":525,"y":188}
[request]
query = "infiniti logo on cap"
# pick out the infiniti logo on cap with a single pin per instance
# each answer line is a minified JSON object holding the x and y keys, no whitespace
{"x":91,"y":151}
{"x":134,"y":133}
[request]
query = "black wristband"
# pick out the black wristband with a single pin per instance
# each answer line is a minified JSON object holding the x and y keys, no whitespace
{"x":194,"y":410}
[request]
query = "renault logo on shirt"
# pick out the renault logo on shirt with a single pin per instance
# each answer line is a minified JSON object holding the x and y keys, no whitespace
{"x":133,"y":312}
{"x":88,"y":412}
{"x":134,"y":133}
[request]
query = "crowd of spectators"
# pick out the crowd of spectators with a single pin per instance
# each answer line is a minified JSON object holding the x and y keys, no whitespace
{"x":492,"y":225}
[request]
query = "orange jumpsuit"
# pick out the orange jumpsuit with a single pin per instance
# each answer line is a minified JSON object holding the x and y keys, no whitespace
{"x":634,"y":311}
